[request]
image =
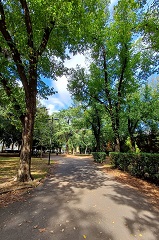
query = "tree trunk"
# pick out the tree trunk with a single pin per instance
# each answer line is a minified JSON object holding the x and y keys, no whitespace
{"x":97,"y":132}
{"x":3,"y":147}
{"x":115,"y":127}
{"x":67,"y":148}
{"x":12,"y":146}
{"x":131,"y":129}
{"x":117,"y":144}
{"x":41,"y":153}
{"x":86,"y":150}
{"x":24,"y":171}
{"x":97,"y":137}
{"x":132,"y":142}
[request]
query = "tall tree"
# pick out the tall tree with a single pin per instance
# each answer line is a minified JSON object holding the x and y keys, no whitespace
{"x":111,"y":64}
{"x":119,"y":65}
{"x":34,"y":38}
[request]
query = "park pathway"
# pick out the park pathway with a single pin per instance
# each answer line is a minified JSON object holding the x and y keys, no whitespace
{"x":78,"y":201}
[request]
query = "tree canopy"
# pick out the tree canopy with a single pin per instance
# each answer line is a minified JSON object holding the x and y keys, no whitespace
{"x":35,"y":39}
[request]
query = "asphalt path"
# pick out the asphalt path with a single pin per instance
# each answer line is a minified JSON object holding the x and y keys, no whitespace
{"x":78,"y":201}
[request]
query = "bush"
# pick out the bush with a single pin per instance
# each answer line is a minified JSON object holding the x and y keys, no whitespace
{"x":99,"y":156}
{"x":143,"y":165}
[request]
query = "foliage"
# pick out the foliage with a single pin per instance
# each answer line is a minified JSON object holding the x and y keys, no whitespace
{"x":10,"y":128}
{"x":99,"y":156}
{"x":150,"y":25}
{"x":72,"y":131}
{"x":42,"y":129}
{"x":119,"y":66}
{"x":143,"y":165}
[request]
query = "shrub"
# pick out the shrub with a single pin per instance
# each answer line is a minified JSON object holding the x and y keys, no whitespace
{"x":143,"y":165}
{"x":99,"y":156}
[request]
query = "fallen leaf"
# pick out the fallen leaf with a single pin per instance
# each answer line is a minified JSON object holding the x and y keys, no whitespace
{"x":42,"y":230}
{"x":84,"y":236}
{"x":35,"y":226}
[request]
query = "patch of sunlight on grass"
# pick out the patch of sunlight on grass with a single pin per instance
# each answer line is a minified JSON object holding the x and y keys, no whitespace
{"x":10,"y":165}
{"x":8,"y":168}
{"x":39,"y":167}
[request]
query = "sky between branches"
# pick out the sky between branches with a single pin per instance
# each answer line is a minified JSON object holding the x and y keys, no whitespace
{"x":62,"y":99}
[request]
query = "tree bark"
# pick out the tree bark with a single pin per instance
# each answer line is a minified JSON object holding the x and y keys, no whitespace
{"x":96,"y":130}
{"x":117,"y":144}
{"x":86,"y":150}
{"x":24,"y":171}
{"x":67,"y":147}
{"x":131,"y":129}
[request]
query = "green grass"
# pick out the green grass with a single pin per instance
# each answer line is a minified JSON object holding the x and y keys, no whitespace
{"x":10,"y":165}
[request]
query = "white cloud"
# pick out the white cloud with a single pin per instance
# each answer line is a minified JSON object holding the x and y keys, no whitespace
{"x":62,"y":99}
{"x":77,"y":59}
{"x":112,"y":2}
{"x":53,"y":104}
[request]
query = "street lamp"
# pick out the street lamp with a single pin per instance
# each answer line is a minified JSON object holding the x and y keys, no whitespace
{"x":51,"y":132}
{"x":67,"y":135}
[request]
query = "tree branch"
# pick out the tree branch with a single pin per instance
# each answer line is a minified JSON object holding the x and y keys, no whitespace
{"x":124,"y":65}
{"x":106,"y":78}
{"x":28,"y":23}
{"x":12,"y":46}
{"x":46,"y":35}
{"x":108,"y":109}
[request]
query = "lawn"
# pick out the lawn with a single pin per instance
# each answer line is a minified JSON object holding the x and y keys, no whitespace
{"x":8,"y":171}
{"x":9,"y":167}
{"x":11,"y":190}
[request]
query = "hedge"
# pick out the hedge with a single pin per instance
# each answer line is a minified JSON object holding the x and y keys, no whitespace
{"x":143,"y":165}
{"x":99,"y":156}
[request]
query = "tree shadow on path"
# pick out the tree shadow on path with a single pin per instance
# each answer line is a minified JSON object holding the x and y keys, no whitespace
{"x":73,"y":203}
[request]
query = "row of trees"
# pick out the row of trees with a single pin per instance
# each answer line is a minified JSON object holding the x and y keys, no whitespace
{"x":85,"y":129}
{"x":37,"y":36}
{"x":122,"y":59}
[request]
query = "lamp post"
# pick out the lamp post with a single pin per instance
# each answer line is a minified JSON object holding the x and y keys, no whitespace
{"x":67,"y":135}
{"x":51,"y":132}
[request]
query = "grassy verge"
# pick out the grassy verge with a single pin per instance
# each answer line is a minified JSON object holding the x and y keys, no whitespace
{"x":9,"y":167}
{"x":8,"y":170}
{"x":10,"y":190}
